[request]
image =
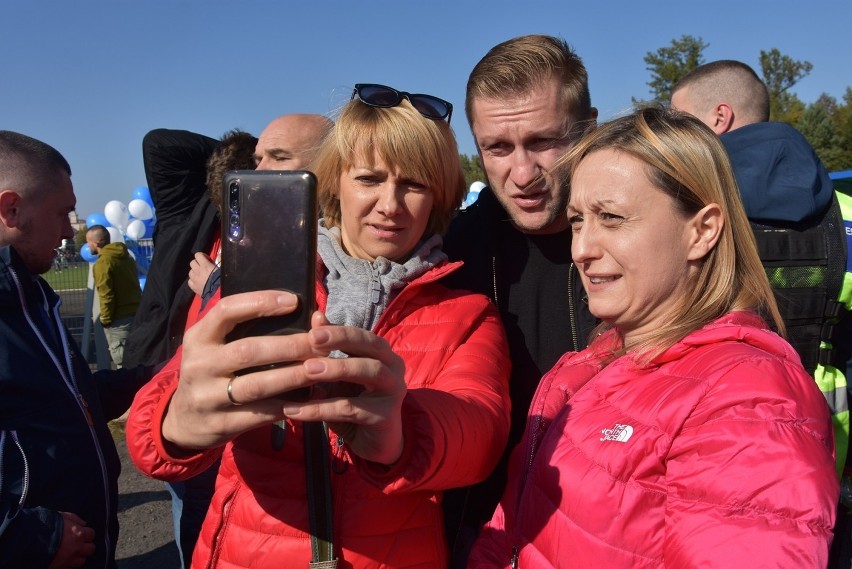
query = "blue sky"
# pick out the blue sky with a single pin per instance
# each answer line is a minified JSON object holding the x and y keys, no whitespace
{"x":92,"y":77}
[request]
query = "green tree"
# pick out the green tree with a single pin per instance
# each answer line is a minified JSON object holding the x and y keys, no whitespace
{"x":80,"y":237}
{"x":817,"y":125}
{"x":843,"y":129}
{"x":472,"y":168}
{"x":780,"y":73}
{"x":668,"y":64}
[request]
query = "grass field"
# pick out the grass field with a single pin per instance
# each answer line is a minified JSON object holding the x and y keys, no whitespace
{"x":70,"y":278}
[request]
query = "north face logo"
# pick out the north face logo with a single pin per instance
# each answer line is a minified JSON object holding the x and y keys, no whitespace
{"x":620,"y":433}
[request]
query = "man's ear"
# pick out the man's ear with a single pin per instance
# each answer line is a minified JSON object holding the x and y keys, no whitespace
{"x":705,"y":228}
{"x":10,"y":208}
{"x":722,"y":118}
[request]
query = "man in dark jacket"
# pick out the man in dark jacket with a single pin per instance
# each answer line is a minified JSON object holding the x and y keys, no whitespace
{"x":117,"y":282}
{"x":786,"y":191}
{"x":527,"y":103}
{"x":58,"y":484}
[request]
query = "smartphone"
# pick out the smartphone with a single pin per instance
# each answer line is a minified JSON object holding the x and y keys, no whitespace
{"x":269,"y":241}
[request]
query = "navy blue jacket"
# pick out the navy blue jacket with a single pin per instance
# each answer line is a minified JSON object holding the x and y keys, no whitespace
{"x":780,"y":176}
{"x":56,"y":452}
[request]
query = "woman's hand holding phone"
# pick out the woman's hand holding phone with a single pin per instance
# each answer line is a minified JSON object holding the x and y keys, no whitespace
{"x":212,"y":404}
{"x":365,"y":390}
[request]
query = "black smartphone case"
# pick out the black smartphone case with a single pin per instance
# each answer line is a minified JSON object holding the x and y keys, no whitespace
{"x":269,"y":242}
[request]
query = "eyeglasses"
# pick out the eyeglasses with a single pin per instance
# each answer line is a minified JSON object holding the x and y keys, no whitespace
{"x":384,"y":97}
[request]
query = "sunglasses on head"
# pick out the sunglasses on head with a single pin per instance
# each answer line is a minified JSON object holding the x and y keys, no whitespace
{"x":382,"y":96}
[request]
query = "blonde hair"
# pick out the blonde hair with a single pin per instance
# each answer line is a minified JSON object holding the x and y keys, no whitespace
{"x":518,"y":66}
{"x":421,"y":148}
{"x":686,"y":161}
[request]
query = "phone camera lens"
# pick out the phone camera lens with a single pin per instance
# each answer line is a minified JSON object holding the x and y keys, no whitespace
{"x":234,"y":196}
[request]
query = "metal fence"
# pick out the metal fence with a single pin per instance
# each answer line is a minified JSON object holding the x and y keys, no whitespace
{"x":69,"y":279}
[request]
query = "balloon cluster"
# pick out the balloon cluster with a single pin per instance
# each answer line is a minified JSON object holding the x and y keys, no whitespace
{"x":133,"y":221}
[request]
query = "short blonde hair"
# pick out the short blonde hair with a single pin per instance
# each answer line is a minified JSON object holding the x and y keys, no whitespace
{"x":516,"y":67}
{"x":686,"y":161}
{"x":421,"y":148}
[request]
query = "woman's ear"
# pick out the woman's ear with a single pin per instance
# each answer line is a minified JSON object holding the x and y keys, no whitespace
{"x":704,"y":229}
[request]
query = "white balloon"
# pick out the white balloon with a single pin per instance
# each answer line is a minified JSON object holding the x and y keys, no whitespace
{"x":136,"y":228}
{"x":115,"y":235}
{"x":140,"y":209}
{"x":476,"y":187}
{"x":117,"y":214}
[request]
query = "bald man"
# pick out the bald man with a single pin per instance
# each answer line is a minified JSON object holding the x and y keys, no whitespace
{"x":290,"y":142}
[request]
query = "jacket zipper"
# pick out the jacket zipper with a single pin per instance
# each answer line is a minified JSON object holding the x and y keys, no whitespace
{"x":67,"y":374}
{"x":216,"y":541}
{"x":494,"y":279}
{"x":25,"y":485}
{"x":572,"y":312}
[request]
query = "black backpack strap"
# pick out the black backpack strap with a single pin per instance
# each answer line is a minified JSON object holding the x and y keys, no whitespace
{"x":318,"y":481}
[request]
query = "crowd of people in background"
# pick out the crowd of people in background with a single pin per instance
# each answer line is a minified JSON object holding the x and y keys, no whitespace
{"x":630,"y":351}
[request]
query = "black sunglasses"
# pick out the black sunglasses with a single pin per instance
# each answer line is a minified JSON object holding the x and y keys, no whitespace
{"x":383,"y":97}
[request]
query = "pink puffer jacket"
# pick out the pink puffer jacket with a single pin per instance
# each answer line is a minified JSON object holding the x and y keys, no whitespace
{"x":718,"y":453}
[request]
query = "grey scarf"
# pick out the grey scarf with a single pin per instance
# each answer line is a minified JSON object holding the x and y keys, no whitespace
{"x":359,"y":291}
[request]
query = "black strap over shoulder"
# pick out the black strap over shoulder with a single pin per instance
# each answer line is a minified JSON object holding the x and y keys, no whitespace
{"x":318,"y":480}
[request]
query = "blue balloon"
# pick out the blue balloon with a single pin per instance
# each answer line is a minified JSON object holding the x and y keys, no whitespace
{"x":142,"y":193}
{"x":96,"y":219}
{"x":87,"y":254}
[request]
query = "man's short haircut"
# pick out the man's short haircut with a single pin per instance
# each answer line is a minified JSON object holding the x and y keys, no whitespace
{"x":26,"y":164}
{"x":100,"y":234}
{"x":729,"y":81}
{"x":235,"y":152}
{"x":515,"y":67}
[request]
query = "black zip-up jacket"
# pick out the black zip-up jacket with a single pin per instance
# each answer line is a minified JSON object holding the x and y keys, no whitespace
{"x":479,"y":236}
{"x":56,"y":452}
{"x":176,"y":170}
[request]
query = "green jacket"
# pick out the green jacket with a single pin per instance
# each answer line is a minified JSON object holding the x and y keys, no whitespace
{"x":117,"y":283}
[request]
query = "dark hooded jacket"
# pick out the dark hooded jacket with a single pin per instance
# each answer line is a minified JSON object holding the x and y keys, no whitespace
{"x":781,"y":179}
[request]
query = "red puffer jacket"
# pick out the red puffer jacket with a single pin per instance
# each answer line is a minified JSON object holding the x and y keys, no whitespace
{"x":716,"y":454}
{"x":456,"y":421}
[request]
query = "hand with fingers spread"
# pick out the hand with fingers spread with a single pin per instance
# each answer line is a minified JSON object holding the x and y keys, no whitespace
{"x":371,"y":421}
{"x":216,"y":399}
{"x":200,"y":268}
